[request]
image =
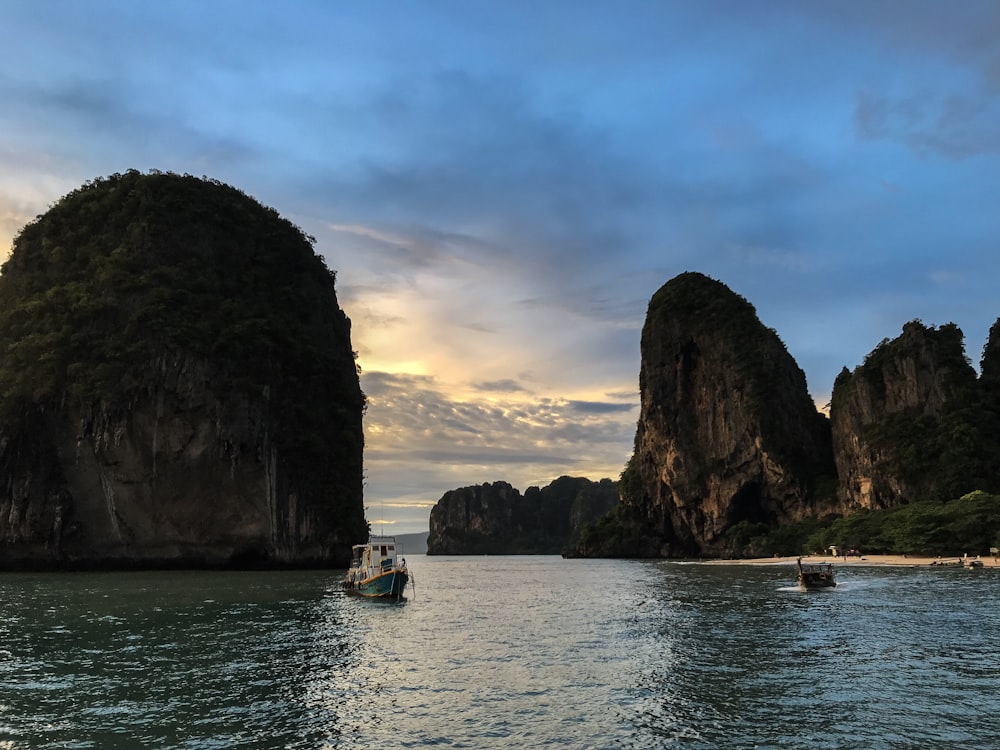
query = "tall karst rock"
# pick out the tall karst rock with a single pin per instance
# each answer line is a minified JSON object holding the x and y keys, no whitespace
{"x":914,"y":422}
{"x":496,"y":519}
{"x":177,"y":385}
{"x":727,"y":430}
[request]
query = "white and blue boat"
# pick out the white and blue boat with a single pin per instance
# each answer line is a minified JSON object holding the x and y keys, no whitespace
{"x":378,"y":569}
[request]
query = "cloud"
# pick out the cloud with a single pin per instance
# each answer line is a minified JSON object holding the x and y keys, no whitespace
{"x":955,"y":126}
{"x":485,"y":456}
{"x":410,"y":250}
{"x":488,"y":153}
{"x":14,"y":214}
{"x":413,"y":416}
{"x":498,"y":386}
{"x":600,"y":407}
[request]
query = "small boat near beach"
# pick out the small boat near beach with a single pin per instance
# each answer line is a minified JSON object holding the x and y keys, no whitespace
{"x":378,"y":569}
{"x":815,"y":576}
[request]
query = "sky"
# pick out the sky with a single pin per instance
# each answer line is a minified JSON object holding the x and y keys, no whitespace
{"x":501,"y":187}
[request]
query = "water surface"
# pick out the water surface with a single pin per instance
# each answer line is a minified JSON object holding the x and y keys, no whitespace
{"x":500,"y":652}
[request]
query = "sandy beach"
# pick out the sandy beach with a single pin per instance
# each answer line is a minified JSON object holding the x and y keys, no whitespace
{"x":912,"y":561}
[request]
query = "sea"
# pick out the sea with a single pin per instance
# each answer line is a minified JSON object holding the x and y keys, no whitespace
{"x":503,"y":652}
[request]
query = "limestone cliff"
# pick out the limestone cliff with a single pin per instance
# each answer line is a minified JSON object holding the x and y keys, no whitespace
{"x":729,"y":444}
{"x":497,"y":519}
{"x":727,"y":431}
{"x":913,"y":423}
{"x":177,"y":385}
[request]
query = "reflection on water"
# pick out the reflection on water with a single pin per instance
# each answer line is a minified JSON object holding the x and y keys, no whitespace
{"x":502,"y":651}
{"x":891,"y":658}
{"x":161,"y":660}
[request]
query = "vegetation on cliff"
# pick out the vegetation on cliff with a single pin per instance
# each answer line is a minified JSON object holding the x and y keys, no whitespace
{"x":127,"y":267}
{"x":623,"y":532}
{"x":970,"y":524}
{"x":915,"y":422}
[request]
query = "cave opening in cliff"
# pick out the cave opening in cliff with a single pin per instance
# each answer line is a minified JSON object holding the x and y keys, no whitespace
{"x":747,"y":506}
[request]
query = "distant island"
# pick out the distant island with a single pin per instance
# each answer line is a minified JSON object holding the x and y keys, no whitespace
{"x":497,"y":519}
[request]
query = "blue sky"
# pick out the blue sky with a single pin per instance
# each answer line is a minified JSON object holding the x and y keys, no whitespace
{"x":502,"y":186}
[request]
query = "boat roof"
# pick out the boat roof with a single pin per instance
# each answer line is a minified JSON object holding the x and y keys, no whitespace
{"x":376,"y":540}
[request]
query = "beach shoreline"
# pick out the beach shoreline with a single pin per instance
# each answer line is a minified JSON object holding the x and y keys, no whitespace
{"x":909,"y":561}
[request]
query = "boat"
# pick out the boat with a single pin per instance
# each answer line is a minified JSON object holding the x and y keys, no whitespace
{"x":972,"y":562}
{"x":378,"y":569}
{"x":815,"y":575}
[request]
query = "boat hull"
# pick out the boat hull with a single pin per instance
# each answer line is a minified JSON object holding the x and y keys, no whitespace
{"x":389,"y":585}
{"x":816,"y":582}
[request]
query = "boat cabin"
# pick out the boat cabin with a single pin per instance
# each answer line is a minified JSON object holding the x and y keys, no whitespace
{"x":378,"y":554}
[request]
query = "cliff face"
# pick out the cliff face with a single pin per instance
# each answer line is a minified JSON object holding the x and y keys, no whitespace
{"x":178,"y":386}
{"x":913,"y":422}
{"x":729,"y":444}
{"x":497,"y":519}
{"x":727,"y":431}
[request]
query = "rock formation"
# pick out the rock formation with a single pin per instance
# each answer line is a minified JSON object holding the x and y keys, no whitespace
{"x":727,"y":432}
{"x":177,"y":386}
{"x":913,"y":423}
{"x":730,"y":445}
{"x":497,"y":519}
